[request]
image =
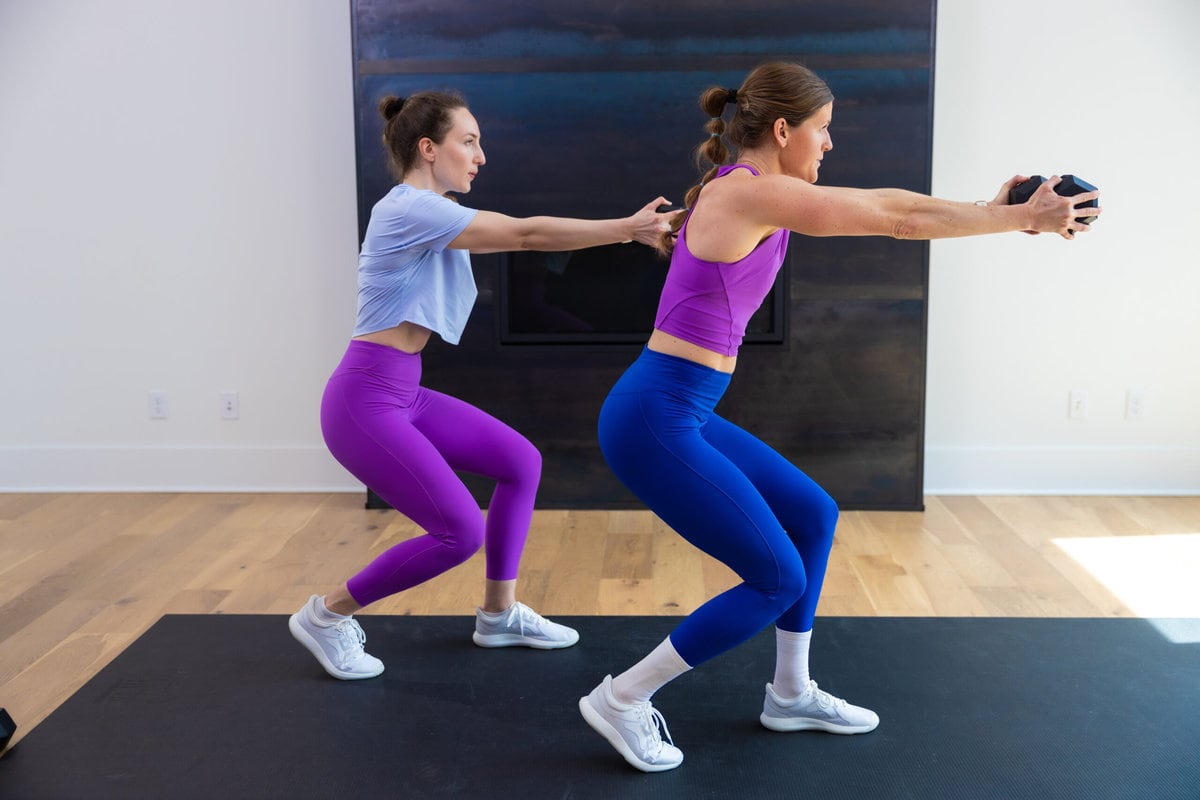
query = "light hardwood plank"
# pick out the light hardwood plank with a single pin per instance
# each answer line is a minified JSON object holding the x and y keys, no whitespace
{"x":84,"y":575}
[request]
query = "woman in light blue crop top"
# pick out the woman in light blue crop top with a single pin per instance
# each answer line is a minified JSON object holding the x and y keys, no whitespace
{"x":404,"y":441}
{"x":716,"y":485}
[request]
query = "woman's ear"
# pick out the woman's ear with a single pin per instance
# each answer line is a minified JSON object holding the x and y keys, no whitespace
{"x":780,"y":129}
{"x":426,"y":147}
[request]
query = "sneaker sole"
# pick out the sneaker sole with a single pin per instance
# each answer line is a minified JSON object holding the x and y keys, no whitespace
{"x":601,"y":726}
{"x":788,"y":724}
{"x":303,"y":637}
{"x":516,"y":640}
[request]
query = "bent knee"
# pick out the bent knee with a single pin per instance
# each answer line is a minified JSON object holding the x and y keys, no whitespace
{"x":784,"y":586}
{"x":793,"y":580}
{"x":818,"y":522}
{"x":529,"y":459}
{"x":522,"y":464}
{"x":826,"y":514}
{"x":462,"y":535}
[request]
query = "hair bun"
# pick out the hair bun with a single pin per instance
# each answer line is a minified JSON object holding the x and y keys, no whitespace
{"x":390,"y":106}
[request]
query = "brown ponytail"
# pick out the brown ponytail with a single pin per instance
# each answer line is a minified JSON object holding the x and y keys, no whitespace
{"x":711,"y":150}
{"x":775,"y":90}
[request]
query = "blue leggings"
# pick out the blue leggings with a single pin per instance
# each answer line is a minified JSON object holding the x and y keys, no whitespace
{"x":724,"y":491}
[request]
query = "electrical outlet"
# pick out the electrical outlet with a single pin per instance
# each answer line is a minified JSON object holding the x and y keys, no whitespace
{"x":229,"y":405}
{"x":1135,"y":403}
{"x":159,"y":409}
{"x":1077,"y":407}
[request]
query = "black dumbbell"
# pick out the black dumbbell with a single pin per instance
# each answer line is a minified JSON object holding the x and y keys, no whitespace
{"x":7,"y":729}
{"x":1069,"y":186}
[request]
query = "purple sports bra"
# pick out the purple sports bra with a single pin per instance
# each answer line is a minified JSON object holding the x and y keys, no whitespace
{"x":708,"y":303}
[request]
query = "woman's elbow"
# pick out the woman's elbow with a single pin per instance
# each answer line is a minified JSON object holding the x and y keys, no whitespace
{"x":907,"y":228}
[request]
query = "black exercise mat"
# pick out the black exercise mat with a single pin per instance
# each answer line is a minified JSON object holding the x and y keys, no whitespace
{"x":218,"y":706}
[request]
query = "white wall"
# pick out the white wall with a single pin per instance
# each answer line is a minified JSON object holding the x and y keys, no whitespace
{"x":177,"y":212}
{"x":1105,"y":90}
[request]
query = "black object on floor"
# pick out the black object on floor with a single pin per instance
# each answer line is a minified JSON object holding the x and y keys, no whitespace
{"x":220,"y":706}
{"x":7,"y":729}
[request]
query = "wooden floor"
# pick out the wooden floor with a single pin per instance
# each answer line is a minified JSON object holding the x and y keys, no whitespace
{"x":83,"y":575}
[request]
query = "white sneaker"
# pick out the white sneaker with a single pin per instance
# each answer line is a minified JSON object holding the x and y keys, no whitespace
{"x":637,"y":731}
{"x":339,"y":647}
{"x":815,"y":710}
{"x":520,"y":625}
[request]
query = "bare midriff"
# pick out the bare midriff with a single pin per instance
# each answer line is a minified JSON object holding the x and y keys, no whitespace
{"x":412,"y":339}
{"x":667,"y":344}
{"x":406,"y":336}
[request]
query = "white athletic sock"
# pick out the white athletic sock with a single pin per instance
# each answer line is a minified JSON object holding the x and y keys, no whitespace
{"x":323,"y":615}
{"x":643,"y":679}
{"x":791,"y":662}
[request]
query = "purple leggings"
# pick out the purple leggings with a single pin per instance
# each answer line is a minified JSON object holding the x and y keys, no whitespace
{"x":405,"y":442}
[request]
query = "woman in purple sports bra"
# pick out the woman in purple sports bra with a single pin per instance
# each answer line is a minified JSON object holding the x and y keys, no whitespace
{"x":717,"y":486}
{"x":406,"y":441}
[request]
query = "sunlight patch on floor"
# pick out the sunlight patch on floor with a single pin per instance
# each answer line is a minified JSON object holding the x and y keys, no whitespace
{"x":1154,"y":576}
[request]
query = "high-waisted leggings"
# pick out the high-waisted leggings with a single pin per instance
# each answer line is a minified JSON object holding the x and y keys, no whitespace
{"x":724,"y":491}
{"x":405,"y":442}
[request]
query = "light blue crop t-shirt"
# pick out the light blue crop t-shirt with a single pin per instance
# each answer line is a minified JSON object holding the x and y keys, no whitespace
{"x":405,"y":272}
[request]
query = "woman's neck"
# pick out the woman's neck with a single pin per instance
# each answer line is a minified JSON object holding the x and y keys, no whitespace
{"x":421,"y":179}
{"x":763,"y":163}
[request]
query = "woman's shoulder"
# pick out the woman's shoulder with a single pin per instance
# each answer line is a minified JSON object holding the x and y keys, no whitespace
{"x":411,"y":201}
{"x":727,"y":188}
{"x":756,"y":198}
{"x":403,"y":193}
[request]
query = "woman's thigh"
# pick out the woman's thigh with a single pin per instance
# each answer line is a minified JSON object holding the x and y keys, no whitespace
{"x":472,"y":440}
{"x":805,"y":510}
{"x":378,"y":443}
{"x":698,"y":490}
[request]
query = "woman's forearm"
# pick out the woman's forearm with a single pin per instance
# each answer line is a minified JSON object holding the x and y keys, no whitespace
{"x":921,"y":217}
{"x":563,"y":233}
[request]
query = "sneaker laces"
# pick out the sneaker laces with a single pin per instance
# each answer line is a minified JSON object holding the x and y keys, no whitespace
{"x":825,"y":699}
{"x":660,"y":722}
{"x":351,"y":637}
{"x":656,"y":724}
{"x":522,"y":616}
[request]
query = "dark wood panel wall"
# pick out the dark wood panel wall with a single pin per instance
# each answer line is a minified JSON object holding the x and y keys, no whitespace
{"x":588,"y":109}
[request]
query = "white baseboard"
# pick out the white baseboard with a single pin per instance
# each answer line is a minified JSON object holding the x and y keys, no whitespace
{"x":172,"y":469}
{"x":948,"y":470}
{"x":1062,"y":470}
